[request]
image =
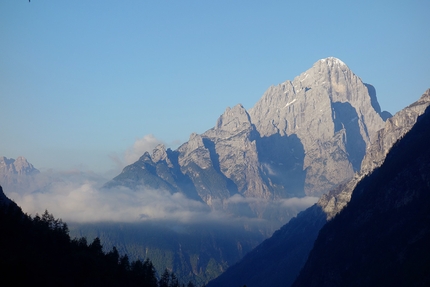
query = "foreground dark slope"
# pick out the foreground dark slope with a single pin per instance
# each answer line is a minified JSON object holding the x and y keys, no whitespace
{"x":382,"y":238}
{"x":39,"y":252}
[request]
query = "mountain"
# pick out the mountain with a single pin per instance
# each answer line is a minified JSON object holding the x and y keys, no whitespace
{"x":382,"y":237}
{"x":303,"y":137}
{"x":278,"y":260}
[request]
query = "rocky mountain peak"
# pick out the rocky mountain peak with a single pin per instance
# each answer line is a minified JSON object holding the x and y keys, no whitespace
{"x":159,"y":153}
{"x":332,"y":61}
{"x":234,"y":119}
{"x":146,"y":157}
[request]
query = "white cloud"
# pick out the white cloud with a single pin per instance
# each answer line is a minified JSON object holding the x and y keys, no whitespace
{"x":299,"y":202}
{"x":77,"y":196}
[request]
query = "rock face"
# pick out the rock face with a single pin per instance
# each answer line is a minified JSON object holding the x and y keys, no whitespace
{"x":278,"y":260}
{"x":382,"y":237}
{"x":302,"y":138}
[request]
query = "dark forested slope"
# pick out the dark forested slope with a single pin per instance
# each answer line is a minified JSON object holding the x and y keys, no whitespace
{"x":38,"y":251}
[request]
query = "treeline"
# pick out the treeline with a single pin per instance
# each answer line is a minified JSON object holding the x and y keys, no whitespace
{"x":38,"y":251}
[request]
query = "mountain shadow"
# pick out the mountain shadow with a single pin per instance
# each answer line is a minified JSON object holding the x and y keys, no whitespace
{"x":374,"y":102}
{"x":345,"y":117}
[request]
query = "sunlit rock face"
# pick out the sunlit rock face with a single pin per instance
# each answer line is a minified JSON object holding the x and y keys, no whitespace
{"x":303,"y":137}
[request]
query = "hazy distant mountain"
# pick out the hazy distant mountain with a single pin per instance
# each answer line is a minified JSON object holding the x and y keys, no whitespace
{"x":382,"y":237}
{"x":16,"y":174}
{"x":20,"y":166}
{"x":302,"y":138}
{"x":278,"y":260}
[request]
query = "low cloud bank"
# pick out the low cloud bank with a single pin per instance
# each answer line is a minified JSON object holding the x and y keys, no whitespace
{"x":77,"y":196}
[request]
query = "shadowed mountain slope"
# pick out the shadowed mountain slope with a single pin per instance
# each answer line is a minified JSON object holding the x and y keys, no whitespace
{"x":382,"y":237}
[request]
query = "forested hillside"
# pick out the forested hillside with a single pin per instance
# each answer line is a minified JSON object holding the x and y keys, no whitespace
{"x":38,"y":251}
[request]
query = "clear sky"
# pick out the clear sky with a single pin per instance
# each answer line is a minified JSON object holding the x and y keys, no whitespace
{"x":83,"y":83}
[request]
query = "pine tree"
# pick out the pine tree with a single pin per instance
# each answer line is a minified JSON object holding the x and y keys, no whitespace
{"x":174,"y":282}
{"x":165,"y":279}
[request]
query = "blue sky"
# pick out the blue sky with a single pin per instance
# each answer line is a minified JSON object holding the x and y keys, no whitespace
{"x":84,"y":83}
